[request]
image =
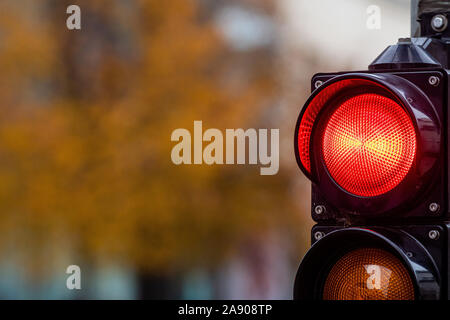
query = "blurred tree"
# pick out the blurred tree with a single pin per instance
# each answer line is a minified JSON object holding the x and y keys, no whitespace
{"x":85,"y":135}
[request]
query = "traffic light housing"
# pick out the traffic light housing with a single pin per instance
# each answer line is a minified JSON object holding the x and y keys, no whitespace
{"x":400,"y":117}
{"x":374,"y":145}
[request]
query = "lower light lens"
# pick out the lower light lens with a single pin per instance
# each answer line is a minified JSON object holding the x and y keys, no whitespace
{"x":369,"y":144}
{"x":368,"y":274}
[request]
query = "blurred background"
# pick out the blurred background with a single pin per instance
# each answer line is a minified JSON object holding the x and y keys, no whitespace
{"x":86,"y":117}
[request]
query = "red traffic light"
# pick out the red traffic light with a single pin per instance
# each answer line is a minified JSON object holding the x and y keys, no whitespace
{"x":368,"y":136}
{"x":375,"y":146}
{"x":364,"y":155}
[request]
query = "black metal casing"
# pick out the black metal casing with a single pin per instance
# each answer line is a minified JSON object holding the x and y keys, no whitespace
{"x":416,"y":229}
{"x":417,"y":207}
{"x":404,"y":230}
{"x":424,"y":258}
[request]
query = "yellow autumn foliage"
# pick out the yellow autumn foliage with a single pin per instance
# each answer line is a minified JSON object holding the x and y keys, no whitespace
{"x":85,"y":135}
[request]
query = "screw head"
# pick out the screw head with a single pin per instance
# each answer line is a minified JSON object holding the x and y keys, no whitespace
{"x":319,"y":235}
{"x":439,"y":22}
{"x":434,"y":207}
{"x":318,"y":83}
{"x":434,"y":81}
{"x":433,"y":234}
{"x":319,"y":209}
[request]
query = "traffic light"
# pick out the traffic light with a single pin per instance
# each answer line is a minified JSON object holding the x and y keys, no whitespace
{"x":375,"y":146}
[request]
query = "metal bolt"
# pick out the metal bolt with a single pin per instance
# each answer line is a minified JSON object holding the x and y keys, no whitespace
{"x":318,"y":83}
{"x":434,"y":81}
{"x":319,"y":209}
{"x":434,"y":234}
{"x":319,"y":235}
{"x":434,"y":207}
{"x":439,"y":22}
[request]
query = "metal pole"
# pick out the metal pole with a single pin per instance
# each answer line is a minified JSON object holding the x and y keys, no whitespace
{"x":421,"y":7}
{"x":430,"y":28}
{"x":415,"y":26}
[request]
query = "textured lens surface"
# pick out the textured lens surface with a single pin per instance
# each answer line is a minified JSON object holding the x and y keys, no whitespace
{"x":368,"y":274}
{"x":369,"y":145}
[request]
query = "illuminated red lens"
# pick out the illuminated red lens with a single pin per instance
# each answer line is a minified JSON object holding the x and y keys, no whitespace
{"x":369,"y":145}
{"x":304,"y":133}
{"x":312,"y":110}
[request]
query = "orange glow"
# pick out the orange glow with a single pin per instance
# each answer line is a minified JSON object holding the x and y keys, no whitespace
{"x":368,"y":274}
